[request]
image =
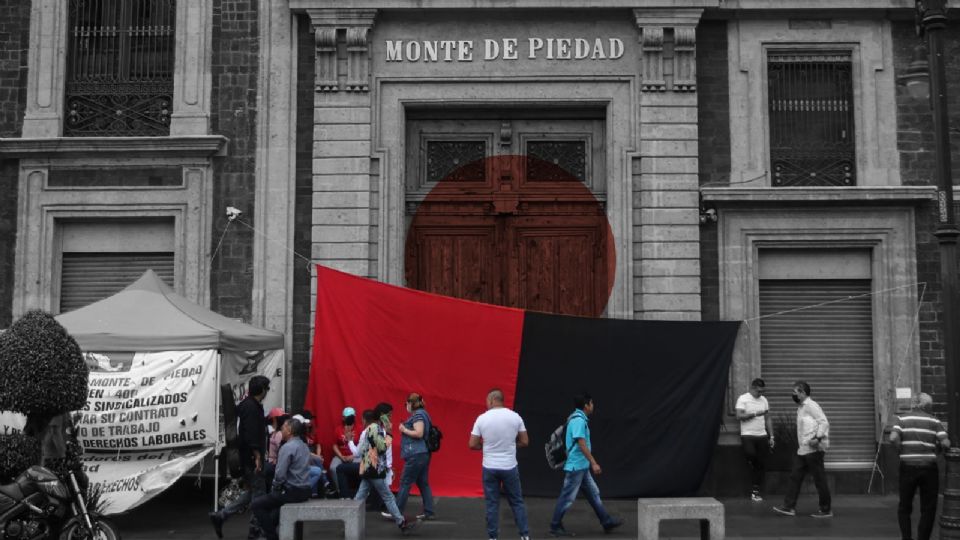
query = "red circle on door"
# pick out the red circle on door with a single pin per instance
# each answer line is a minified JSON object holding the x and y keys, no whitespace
{"x":513,"y":230}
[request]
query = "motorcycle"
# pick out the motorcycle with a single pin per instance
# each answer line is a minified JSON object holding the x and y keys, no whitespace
{"x":38,"y":505}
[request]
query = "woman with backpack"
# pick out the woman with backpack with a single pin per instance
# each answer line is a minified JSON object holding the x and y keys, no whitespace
{"x":416,"y":456}
{"x":374,"y":442}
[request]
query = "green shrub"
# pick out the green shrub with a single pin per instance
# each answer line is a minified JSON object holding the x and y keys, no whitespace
{"x":42,"y":371}
{"x":17,"y":453}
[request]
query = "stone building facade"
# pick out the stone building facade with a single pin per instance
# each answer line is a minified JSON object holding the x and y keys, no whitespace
{"x":735,"y":159}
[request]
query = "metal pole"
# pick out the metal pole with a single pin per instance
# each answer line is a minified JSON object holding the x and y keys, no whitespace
{"x":933,"y":20}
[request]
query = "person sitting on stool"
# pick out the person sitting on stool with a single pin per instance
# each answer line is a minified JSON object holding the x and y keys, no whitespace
{"x":291,"y":481}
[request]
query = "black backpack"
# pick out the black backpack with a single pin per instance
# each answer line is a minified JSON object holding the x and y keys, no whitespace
{"x":556,"y":447}
{"x":433,"y":438}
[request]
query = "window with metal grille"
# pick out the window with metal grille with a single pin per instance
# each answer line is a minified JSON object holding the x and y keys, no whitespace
{"x":811,"y":119}
{"x":119,"y":67}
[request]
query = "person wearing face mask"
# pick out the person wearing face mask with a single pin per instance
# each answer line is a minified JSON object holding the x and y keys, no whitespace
{"x":813,"y":433}
{"x":374,"y":444}
{"x":416,"y":457}
{"x":342,"y":451}
{"x":756,"y":433}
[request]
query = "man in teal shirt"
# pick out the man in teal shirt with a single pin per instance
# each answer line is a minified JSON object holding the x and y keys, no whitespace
{"x":579,"y":470}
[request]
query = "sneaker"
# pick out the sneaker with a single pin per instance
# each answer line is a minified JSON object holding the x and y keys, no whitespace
{"x":784,"y":511}
{"x":822,"y":514}
{"x":561,"y":532}
{"x":614,"y":523}
{"x":755,"y":497}
{"x":407,"y":525}
{"x":217,"y":521}
{"x":426,"y":517}
{"x":524,"y":538}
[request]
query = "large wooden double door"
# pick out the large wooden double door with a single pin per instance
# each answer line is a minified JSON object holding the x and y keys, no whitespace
{"x":509,"y":211}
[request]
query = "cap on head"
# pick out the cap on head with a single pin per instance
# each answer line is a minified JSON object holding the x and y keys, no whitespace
{"x":348,"y":411}
{"x":301,"y":418}
{"x":276,"y":412}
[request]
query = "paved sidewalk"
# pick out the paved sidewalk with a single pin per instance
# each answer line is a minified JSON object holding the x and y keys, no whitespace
{"x":181,"y":514}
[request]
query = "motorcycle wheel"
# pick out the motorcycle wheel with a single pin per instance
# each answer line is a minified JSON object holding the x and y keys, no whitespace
{"x":103,"y":530}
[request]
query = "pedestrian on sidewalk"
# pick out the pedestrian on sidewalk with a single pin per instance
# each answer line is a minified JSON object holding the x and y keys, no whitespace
{"x":416,"y":456}
{"x":374,"y":442}
{"x":813,"y":432}
{"x":579,"y":470}
{"x":756,"y":433}
{"x":498,"y":433}
{"x":291,"y":480}
{"x":252,"y":445}
{"x":918,"y":435}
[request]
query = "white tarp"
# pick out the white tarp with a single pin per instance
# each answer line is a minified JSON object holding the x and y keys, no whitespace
{"x":150,"y":400}
{"x":237,"y":368}
{"x":128,"y":479}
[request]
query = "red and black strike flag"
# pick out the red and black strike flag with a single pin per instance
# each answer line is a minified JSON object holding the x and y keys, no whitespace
{"x":658,"y":386}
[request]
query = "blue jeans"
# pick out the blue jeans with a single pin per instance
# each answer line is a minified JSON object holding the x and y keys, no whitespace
{"x":314,"y":476}
{"x":383,"y":490}
{"x":415,"y":470}
{"x":509,"y":479}
{"x":574,"y":481}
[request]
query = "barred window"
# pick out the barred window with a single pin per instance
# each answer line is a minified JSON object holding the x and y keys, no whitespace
{"x":811,"y":119}
{"x":119,"y":67}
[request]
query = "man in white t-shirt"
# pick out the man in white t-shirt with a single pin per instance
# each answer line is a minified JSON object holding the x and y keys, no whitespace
{"x":499,"y":432}
{"x":756,"y":432}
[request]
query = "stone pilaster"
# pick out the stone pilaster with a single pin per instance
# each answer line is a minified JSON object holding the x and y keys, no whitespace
{"x":342,"y":215}
{"x":666,"y":190}
{"x":193,"y":78}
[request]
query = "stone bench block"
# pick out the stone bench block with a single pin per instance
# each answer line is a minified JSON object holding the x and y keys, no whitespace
{"x":706,"y":509}
{"x":350,"y":512}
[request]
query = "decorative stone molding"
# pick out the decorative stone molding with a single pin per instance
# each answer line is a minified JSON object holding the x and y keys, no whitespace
{"x":818,"y":196}
{"x":114,"y":147}
{"x":327,"y":77}
{"x":46,"y":69}
{"x":685,"y":59}
{"x":43,"y":210}
{"x":358,"y":59}
{"x":651,"y":40}
{"x":357,"y":24}
{"x":653,"y":24}
{"x":870,"y":45}
{"x":886,"y":230}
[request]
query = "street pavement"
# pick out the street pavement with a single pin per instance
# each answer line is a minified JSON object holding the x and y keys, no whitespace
{"x":181,"y":514}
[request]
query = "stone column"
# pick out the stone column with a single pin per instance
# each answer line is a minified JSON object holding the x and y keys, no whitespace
{"x":666,"y":229}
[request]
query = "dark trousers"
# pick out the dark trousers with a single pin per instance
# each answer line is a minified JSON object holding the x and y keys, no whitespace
{"x":927,"y":480}
{"x":348,"y":478}
{"x":808,"y":463}
{"x":755,"y":449}
{"x":267,"y":507}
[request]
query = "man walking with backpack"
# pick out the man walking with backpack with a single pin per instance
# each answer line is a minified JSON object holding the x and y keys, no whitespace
{"x":579,"y":470}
